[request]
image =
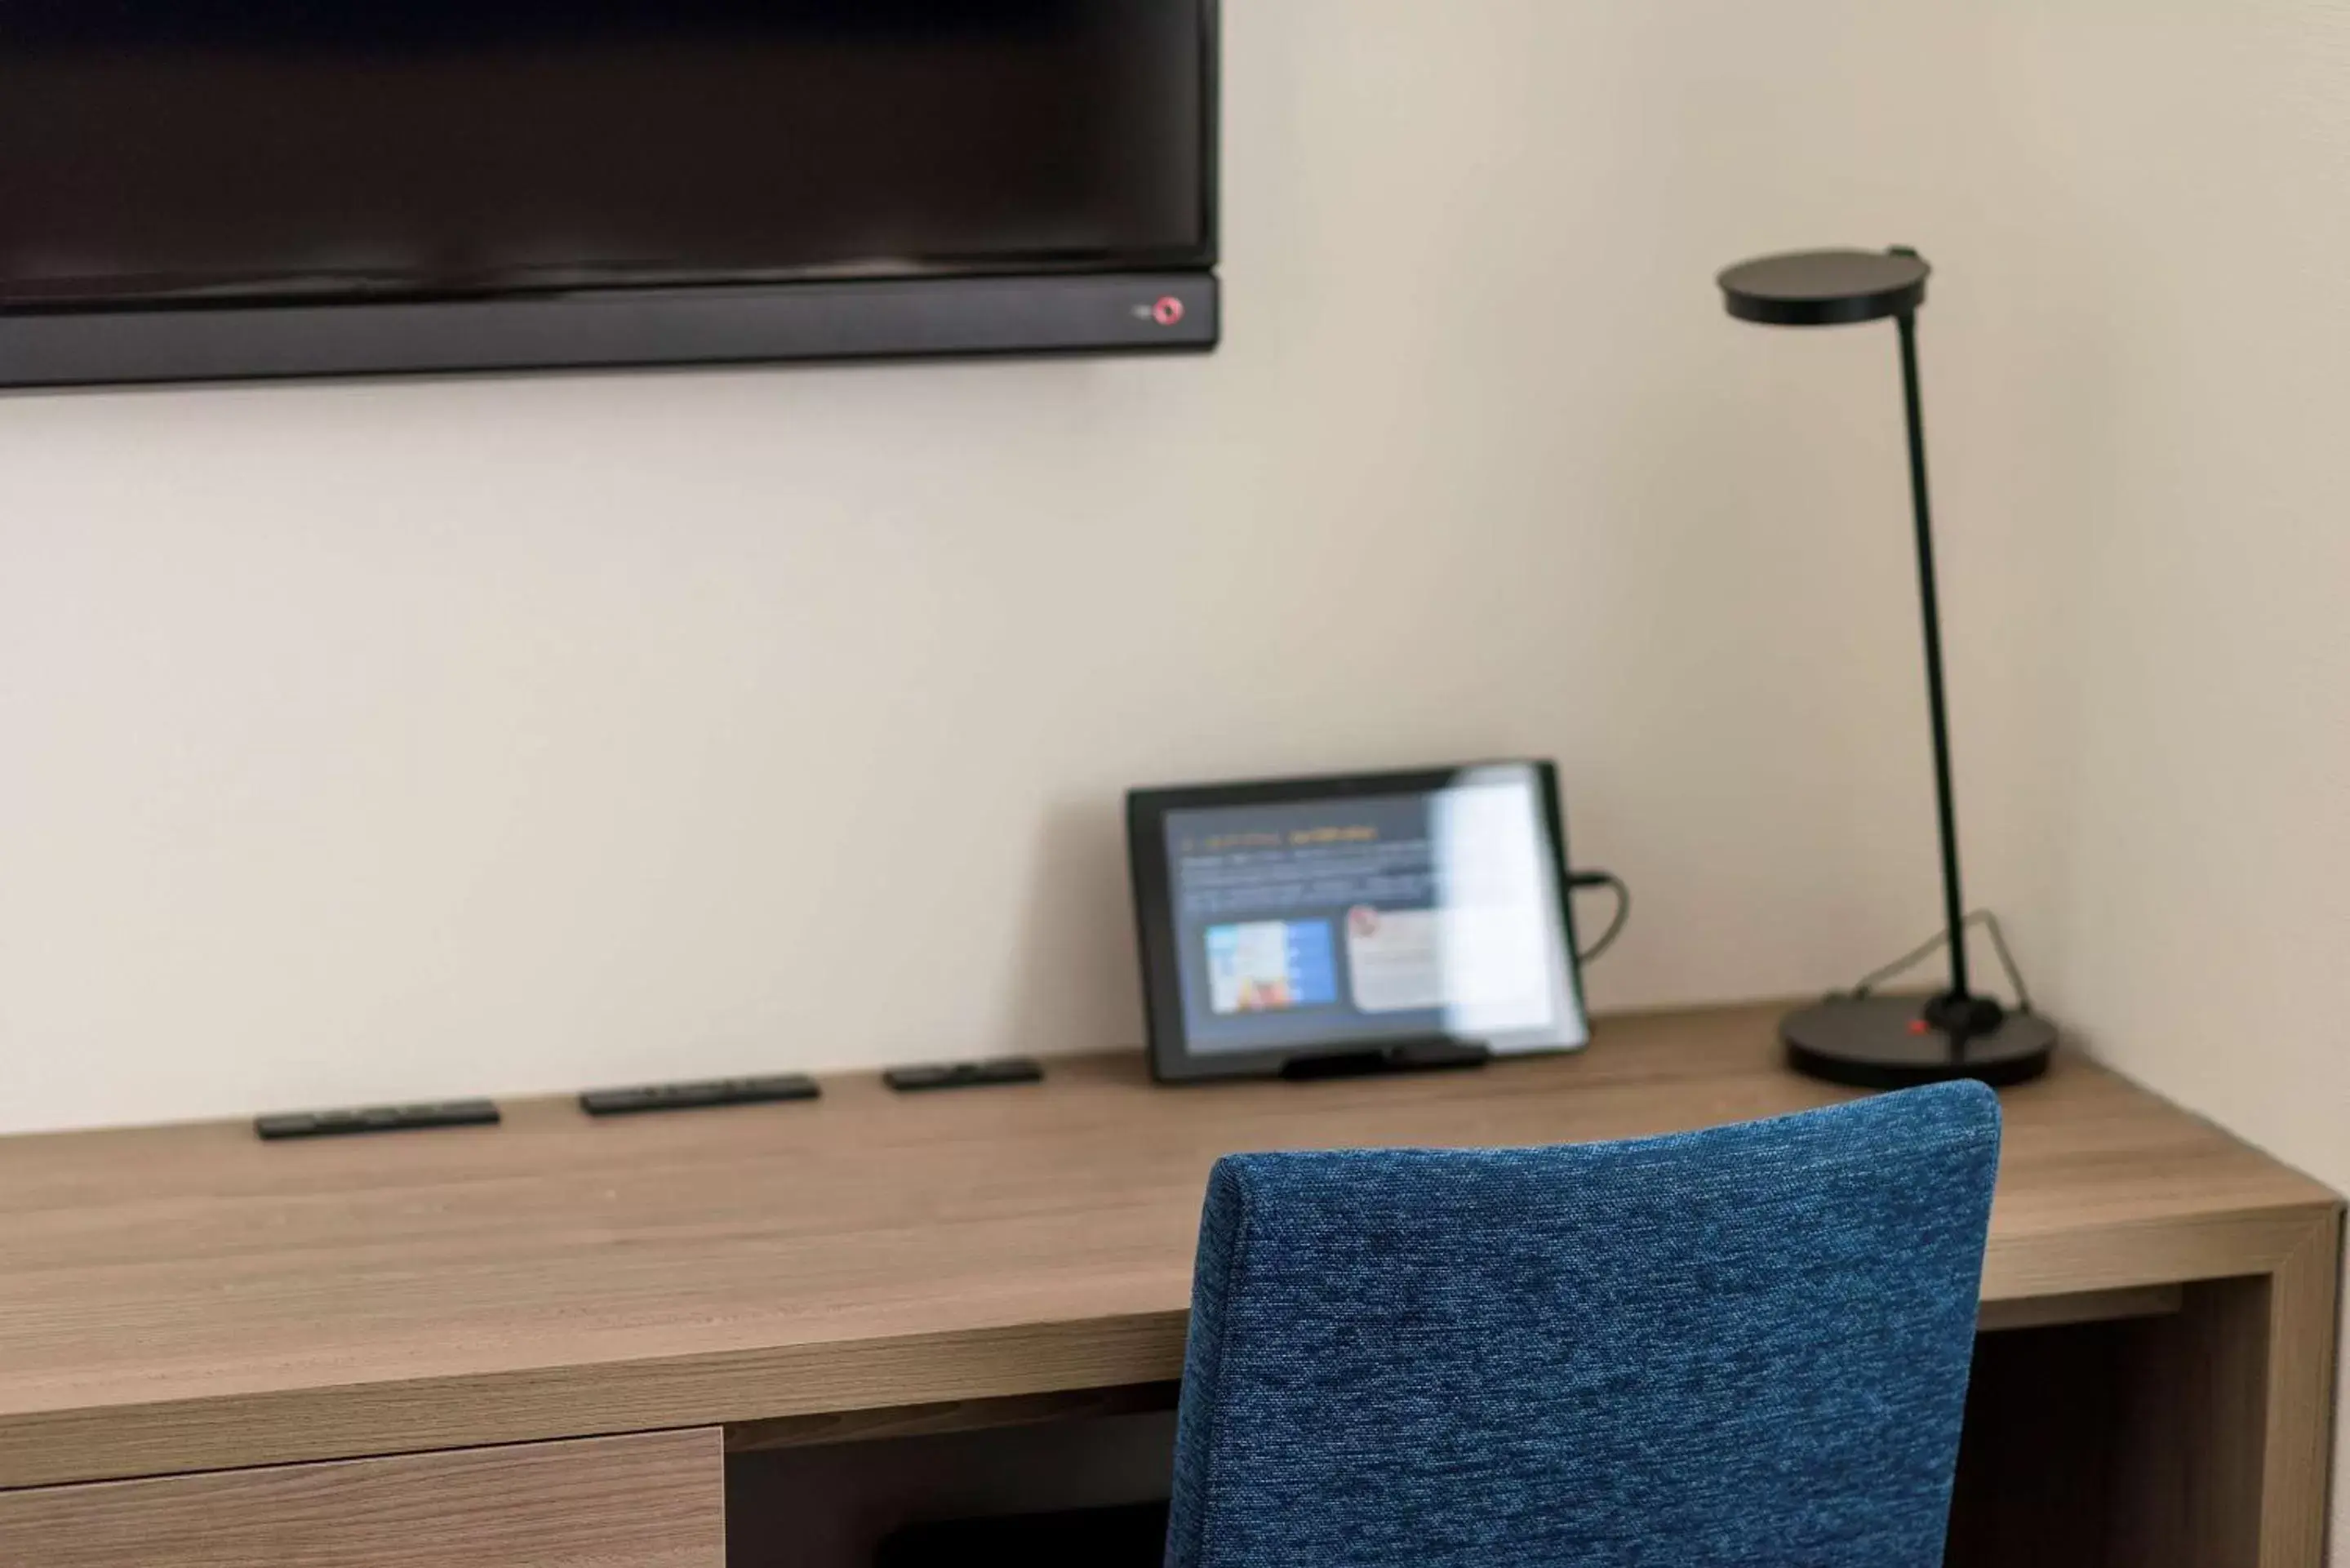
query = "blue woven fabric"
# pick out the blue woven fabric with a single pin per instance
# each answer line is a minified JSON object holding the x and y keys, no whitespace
{"x":1748,"y":1346}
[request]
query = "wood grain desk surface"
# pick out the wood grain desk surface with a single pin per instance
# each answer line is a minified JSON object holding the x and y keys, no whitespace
{"x":187,"y":1298}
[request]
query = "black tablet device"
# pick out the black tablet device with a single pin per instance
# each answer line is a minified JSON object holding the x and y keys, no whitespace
{"x":1400,"y":914}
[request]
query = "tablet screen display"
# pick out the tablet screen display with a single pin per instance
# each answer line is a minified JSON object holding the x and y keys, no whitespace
{"x":1314,"y":916}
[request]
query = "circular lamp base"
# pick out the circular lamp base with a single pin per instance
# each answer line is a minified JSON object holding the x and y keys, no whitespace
{"x":1884,"y":1043}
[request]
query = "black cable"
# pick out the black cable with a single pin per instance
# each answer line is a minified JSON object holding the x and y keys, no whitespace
{"x":1918,"y":954}
{"x":1583,"y":879}
{"x":2007,"y":961}
{"x":1900,"y":966}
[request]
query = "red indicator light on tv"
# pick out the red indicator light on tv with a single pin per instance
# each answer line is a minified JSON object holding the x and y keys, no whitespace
{"x":1167,"y":311}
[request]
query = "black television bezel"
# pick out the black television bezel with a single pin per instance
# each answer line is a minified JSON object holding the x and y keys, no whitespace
{"x":930,"y":314}
{"x":1172,"y":1061}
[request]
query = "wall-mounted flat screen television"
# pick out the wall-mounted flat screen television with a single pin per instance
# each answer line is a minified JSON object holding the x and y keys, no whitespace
{"x":205,"y":189}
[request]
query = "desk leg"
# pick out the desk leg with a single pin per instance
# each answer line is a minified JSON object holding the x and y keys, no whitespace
{"x":2303,"y":1320}
{"x":2199,"y":1439}
{"x":2223,"y":1437}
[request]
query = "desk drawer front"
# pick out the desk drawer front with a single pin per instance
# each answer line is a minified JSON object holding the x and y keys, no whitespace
{"x":653,"y":1502}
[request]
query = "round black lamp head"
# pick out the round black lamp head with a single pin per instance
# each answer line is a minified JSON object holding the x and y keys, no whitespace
{"x":1827,"y":288}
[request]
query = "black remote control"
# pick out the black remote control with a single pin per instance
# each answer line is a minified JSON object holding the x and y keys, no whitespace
{"x":700,"y":1097}
{"x":377,"y":1119}
{"x":964,"y":1074}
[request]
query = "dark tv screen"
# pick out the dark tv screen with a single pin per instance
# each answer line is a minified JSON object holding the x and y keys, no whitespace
{"x":178,"y":153}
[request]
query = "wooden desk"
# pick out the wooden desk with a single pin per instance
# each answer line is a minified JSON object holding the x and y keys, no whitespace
{"x":184,"y":1300}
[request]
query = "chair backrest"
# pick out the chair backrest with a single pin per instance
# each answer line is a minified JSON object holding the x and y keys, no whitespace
{"x":1748,"y":1346}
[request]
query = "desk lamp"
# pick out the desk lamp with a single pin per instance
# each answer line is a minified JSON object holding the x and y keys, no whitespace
{"x":1895,"y":1042}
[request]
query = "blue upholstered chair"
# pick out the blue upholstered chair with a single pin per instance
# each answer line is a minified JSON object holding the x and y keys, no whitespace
{"x":1748,"y":1346}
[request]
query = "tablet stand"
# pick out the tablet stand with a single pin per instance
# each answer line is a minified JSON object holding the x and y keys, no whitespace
{"x":1429,"y":1055}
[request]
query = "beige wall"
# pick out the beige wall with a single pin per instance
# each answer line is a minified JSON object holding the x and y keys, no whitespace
{"x":508,"y":735}
{"x":2178,"y":226}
